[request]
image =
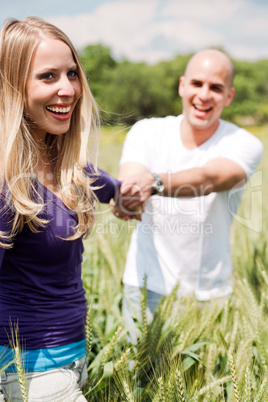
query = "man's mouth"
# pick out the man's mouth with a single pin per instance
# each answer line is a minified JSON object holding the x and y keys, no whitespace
{"x":59,"y":110}
{"x":202,"y":108}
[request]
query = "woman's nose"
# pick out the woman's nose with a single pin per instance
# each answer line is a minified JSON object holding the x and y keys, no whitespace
{"x":65,"y":87}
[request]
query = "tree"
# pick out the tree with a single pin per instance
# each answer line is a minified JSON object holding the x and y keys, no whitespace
{"x":97,"y":59}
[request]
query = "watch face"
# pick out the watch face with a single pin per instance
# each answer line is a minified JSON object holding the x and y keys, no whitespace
{"x":158,"y":186}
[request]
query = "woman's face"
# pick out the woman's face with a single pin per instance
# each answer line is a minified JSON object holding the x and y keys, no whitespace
{"x":52,"y":88}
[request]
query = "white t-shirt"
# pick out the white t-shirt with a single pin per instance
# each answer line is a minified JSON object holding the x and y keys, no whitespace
{"x":185,"y":240}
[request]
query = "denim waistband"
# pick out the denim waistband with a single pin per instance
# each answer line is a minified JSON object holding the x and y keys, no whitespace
{"x":5,"y":375}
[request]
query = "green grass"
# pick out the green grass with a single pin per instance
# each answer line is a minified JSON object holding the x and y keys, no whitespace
{"x":216,"y":353}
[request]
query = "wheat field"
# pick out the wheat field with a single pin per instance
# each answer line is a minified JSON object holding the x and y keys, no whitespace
{"x":213,"y":353}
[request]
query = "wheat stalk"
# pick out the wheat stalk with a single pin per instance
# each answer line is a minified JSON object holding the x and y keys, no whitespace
{"x":263,"y":391}
{"x":180,"y":386}
{"x":169,"y":303}
{"x":214,"y":384}
{"x":110,"y":346}
{"x":171,"y":387}
{"x":18,"y":360}
{"x":127,"y":391}
{"x":206,"y":322}
{"x":121,"y":362}
{"x":225,"y":316}
{"x":160,"y":396}
{"x":89,"y":332}
{"x":143,"y":310}
{"x":21,"y":373}
{"x":234,"y":377}
{"x":155,"y":333}
{"x":210,"y":364}
{"x":97,"y":331}
{"x":247,"y":392}
{"x":234,"y":332}
{"x":243,"y":357}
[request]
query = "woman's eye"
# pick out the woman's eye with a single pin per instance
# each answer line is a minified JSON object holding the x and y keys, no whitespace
{"x":72,"y":74}
{"x":47,"y":76}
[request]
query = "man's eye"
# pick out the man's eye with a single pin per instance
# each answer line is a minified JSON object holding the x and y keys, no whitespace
{"x":196,"y":84}
{"x":216,"y":89}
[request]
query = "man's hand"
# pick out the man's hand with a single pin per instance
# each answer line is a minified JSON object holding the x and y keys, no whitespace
{"x":120,"y":210}
{"x":136,"y":190}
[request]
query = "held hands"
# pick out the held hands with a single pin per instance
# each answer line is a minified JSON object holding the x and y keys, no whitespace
{"x":134,"y":192}
{"x":121,"y":212}
{"x":137,"y":189}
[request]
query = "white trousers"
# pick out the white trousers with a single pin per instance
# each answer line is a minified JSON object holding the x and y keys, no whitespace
{"x":59,"y":385}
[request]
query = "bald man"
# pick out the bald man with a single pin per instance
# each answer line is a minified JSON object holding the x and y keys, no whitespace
{"x":191,"y":170}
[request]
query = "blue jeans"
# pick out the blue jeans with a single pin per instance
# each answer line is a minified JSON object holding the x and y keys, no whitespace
{"x":59,"y":385}
{"x":132,"y":309}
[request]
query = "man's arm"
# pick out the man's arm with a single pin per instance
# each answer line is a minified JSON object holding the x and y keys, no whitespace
{"x":220,"y":174}
{"x":131,"y":169}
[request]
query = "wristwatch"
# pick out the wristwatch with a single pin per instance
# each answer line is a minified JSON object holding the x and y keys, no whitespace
{"x":157,"y":185}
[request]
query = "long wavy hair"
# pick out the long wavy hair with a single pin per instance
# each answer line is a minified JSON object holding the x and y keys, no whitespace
{"x":18,"y":150}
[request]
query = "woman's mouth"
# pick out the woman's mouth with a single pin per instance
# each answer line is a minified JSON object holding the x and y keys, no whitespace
{"x":59,"y":110}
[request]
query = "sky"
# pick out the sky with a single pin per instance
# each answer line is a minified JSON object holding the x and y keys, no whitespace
{"x":154,"y":30}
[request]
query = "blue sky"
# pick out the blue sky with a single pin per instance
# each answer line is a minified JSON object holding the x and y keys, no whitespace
{"x":154,"y":30}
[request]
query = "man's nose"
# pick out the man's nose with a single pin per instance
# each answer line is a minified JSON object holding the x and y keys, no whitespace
{"x":204,"y":92}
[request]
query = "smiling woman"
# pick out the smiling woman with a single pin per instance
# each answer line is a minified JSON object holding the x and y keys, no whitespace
{"x":46,"y":207}
{"x":52,"y":88}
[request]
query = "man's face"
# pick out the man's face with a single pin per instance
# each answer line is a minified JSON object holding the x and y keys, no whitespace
{"x":205,"y":91}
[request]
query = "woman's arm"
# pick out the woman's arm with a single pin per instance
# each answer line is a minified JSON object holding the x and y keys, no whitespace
{"x":105,"y":186}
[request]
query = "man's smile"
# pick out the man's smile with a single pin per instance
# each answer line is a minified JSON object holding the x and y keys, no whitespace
{"x":202,"y":108}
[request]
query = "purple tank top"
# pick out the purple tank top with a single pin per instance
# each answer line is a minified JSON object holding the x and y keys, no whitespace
{"x":41,"y":289}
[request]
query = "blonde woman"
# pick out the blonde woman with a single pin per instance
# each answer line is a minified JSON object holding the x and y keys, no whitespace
{"x":47,"y":206}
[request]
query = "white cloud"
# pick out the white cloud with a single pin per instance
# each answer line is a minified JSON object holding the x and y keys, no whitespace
{"x":203,"y":11}
{"x":154,"y":30}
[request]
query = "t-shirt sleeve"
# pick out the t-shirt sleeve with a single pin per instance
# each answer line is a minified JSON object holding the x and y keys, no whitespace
{"x":105,"y":186}
{"x":245,"y":149}
{"x":135,"y":145}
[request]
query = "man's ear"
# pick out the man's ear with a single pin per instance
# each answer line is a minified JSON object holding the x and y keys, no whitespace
{"x":230,"y":97}
{"x":181,"y":86}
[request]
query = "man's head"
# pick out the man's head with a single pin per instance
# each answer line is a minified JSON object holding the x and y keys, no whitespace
{"x":206,"y":89}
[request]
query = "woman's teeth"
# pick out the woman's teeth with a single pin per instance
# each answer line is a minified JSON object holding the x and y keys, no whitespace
{"x":59,"y":109}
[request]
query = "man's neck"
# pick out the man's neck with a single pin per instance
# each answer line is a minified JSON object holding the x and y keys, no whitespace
{"x":192,"y":137}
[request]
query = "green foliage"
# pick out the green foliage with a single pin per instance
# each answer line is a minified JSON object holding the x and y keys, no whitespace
{"x":127,"y":92}
{"x":134,"y":91}
{"x":96,"y":60}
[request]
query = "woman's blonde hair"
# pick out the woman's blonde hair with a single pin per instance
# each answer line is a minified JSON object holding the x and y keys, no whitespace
{"x":19,"y":151}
